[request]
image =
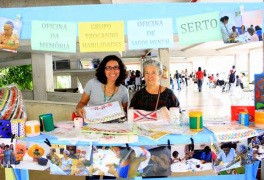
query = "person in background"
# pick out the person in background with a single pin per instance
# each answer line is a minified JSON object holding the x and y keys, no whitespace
{"x":186,"y":77}
{"x":8,"y":39}
{"x":138,"y":80}
{"x":200,"y":77}
{"x":106,"y":86}
{"x":259,"y":32}
{"x":243,"y":156}
{"x":227,"y":154}
{"x":171,"y":82}
{"x":7,"y":156}
{"x":253,"y":36}
{"x":206,"y":156}
{"x":255,"y":142}
{"x":153,"y":96}
{"x":178,"y":79}
{"x":175,"y":156}
{"x":224,"y":29}
{"x":232,"y":79}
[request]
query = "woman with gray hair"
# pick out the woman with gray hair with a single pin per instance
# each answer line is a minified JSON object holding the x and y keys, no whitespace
{"x":153,"y":96}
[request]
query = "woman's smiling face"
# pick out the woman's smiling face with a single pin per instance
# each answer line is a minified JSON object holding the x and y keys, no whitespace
{"x":112,"y":70}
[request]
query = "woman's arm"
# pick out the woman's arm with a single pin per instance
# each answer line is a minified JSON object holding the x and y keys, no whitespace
{"x":83,"y":102}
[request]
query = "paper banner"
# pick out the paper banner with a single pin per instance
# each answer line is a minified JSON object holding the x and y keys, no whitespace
{"x":53,"y":36}
{"x":12,"y":28}
{"x":199,"y":28}
{"x":150,"y":33}
{"x":101,"y":36}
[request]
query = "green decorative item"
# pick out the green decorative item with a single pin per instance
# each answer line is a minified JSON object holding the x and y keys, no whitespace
{"x":46,"y":122}
{"x":196,"y":120}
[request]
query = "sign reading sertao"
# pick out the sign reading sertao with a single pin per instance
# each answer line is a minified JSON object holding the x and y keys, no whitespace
{"x":199,"y":28}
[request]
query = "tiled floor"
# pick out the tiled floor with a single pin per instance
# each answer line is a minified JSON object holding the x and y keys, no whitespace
{"x":212,"y":101}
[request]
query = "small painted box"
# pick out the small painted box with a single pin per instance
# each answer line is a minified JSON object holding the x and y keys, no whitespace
{"x":18,"y":127}
{"x":196,"y":120}
{"x":259,"y":117}
{"x":5,"y":129}
{"x":244,"y":118}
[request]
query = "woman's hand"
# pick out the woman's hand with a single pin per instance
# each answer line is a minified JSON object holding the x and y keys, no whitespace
{"x":80,"y":112}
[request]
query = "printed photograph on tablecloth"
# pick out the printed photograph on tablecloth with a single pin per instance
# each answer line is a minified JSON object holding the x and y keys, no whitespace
{"x":70,"y":160}
{"x":259,"y":91}
{"x":10,"y":34}
{"x":256,"y":145}
{"x":107,"y":112}
{"x":192,"y":158}
{"x":234,"y":132}
{"x":123,"y":162}
{"x":31,"y":155}
{"x":7,"y":153}
{"x":241,"y":27}
{"x":232,"y":158}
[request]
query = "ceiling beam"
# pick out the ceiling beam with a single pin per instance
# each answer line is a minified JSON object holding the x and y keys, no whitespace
{"x":190,"y":47}
{"x":231,"y":46}
{"x":106,"y":1}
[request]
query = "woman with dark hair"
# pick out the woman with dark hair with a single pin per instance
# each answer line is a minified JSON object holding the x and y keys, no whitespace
{"x":153,"y":96}
{"x":224,"y":29}
{"x":106,"y":86}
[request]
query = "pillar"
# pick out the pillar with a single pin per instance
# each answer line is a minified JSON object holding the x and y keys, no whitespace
{"x":74,"y":64}
{"x":42,"y":71}
{"x":164,"y":57}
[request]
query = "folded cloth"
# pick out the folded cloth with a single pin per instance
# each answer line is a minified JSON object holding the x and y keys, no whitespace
{"x":64,"y":124}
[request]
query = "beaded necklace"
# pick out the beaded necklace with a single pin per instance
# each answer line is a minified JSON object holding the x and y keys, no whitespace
{"x":105,"y":98}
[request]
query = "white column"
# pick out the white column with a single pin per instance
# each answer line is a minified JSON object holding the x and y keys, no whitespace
{"x":42,"y":71}
{"x":248,"y":68}
{"x":164,"y":57}
{"x":74,"y":78}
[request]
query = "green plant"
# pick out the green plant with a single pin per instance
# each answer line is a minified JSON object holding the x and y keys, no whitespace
{"x":20,"y":75}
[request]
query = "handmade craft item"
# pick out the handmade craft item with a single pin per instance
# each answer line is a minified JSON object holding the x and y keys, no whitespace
{"x":235,"y":110}
{"x":5,"y":129}
{"x":104,"y":113}
{"x":46,"y":122}
{"x":20,"y":151}
{"x":139,"y":116}
{"x":196,"y":120}
{"x":18,"y":127}
{"x":35,"y":151}
{"x":32,"y":128}
{"x":11,"y":103}
{"x":259,"y":117}
{"x":243,"y":118}
{"x":234,"y":132}
{"x":78,"y":122}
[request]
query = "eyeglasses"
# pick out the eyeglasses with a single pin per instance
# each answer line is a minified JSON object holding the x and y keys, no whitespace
{"x":108,"y":68}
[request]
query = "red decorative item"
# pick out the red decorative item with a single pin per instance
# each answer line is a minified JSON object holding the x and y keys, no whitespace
{"x":235,"y":110}
{"x":74,"y":115}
